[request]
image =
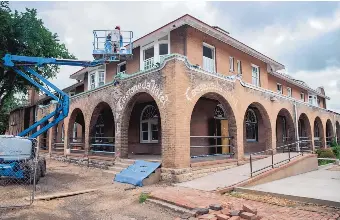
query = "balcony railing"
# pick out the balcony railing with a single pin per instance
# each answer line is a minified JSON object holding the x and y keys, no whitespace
{"x":205,"y":146}
{"x":209,"y":64}
{"x":149,"y":63}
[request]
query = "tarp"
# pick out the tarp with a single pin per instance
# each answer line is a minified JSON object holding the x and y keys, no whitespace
{"x":137,"y":172}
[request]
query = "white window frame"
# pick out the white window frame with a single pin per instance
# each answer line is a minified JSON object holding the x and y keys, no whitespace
{"x":312,"y":100}
{"x":231,"y":64}
{"x":155,"y":44}
{"x":95,"y":72}
{"x":258,"y":75}
{"x":92,"y":85}
{"x":119,"y":65}
{"x":239,"y":67}
{"x":213,"y":54}
{"x":150,"y":122}
{"x":101,"y":79}
{"x":281,"y":90}
{"x":302,"y":96}
{"x":289,"y":92}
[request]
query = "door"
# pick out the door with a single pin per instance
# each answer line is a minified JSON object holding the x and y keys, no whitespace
{"x":225,"y":133}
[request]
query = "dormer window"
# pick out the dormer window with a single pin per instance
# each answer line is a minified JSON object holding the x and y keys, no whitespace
{"x":121,"y":67}
{"x":96,"y":77}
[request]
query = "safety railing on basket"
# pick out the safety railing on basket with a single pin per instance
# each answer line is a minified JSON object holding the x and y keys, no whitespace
{"x":287,"y":148}
{"x":104,"y":146}
{"x":205,"y":146}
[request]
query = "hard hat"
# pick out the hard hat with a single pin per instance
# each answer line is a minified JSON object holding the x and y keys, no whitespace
{"x":117,"y":27}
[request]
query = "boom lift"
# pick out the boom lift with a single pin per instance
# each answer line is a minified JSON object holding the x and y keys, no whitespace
{"x":17,"y":153}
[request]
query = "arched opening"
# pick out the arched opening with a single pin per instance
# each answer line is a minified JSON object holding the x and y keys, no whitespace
{"x":142,"y":122}
{"x":59,"y":134}
{"x":329,"y":132}
{"x":337,"y":127}
{"x":285,"y":129}
{"x":212,"y":128}
{"x":102,"y":131}
{"x":44,"y":139}
{"x":318,"y":133}
{"x":76,"y":132}
{"x":305,"y":132}
{"x":257,"y":132}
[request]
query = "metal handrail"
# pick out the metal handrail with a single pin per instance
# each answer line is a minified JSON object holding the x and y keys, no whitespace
{"x":289,"y":146}
{"x":102,"y":145}
{"x":230,"y":146}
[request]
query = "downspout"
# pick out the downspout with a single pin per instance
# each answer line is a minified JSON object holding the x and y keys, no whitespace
{"x":296,"y":127}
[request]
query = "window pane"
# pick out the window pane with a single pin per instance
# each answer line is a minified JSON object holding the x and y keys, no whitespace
{"x":207,"y":52}
{"x":145,"y":126}
{"x":154,"y":127}
{"x":154,"y":135}
{"x":145,"y":136}
{"x":122,"y":68}
{"x":163,"y":49}
{"x":148,"y":53}
{"x":250,"y":131}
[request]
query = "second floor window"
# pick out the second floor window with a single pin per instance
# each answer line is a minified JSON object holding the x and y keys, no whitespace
{"x":121,"y":67}
{"x":279,"y":88}
{"x":93,"y":80}
{"x":101,"y":78}
{"x":239,"y":67}
{"x":231,"y":64}
{"x":255,"y":75}
{"x":208,"y":58}
{"x":302,"y":96}
{"x":289,"y":92}
{"x":148,"y":57}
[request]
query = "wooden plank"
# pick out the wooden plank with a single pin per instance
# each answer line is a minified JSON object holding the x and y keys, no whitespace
{"x":62,"y":194}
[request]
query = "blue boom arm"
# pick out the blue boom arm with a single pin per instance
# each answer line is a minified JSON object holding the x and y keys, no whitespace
{"x":21,"y":65}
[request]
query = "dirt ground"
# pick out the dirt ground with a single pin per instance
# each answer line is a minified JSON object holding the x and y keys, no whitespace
{"x":110,"y":201}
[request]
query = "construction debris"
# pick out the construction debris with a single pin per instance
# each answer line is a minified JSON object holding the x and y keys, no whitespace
{"x":223,"y":212}
{"x":64,"y":194}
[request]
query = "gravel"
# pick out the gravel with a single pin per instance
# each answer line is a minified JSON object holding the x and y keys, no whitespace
{"x":111,"y":201}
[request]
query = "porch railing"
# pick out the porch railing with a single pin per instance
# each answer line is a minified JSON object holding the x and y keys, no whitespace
{"x":58,"y":146}
{"x":43,"y":144}
{"x":317,"y":142}
{"x":102,"y":145}
{"x":329,"y":140}
{"x":218,"y":148}
{"x":149,"y":63}
{"x":209,"y":64}
{"x":76,"y":145}
{"x":287,"y":148}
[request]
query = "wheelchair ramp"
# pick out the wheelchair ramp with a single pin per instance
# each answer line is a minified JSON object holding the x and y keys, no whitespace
{"x":136,"y":173}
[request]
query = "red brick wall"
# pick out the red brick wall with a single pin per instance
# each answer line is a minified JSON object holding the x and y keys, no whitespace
{"x":178,"y":40}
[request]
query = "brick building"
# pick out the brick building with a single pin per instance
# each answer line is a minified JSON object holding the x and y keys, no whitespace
{"x":191,"y":90}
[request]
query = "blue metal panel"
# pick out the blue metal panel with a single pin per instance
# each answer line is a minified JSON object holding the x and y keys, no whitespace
{"x":137,"y":172}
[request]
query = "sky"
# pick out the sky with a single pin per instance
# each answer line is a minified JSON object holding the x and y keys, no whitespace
{"x":304,"y":36}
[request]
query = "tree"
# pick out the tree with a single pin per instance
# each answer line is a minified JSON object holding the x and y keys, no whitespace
{"x":22,"y":33}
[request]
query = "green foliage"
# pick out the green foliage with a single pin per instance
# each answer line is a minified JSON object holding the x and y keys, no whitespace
{"x":22,"y":33}
{"x":336,"y":151}
{"x":334,"y":143}
{"x":325,"y":153}
{"x":143,"y":197}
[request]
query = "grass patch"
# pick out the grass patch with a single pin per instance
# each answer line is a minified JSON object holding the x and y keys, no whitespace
{"x":143,"y":197}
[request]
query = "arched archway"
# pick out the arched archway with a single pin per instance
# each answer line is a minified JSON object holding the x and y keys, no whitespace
{"x":141,"y":130}
{"x":212,"y":128}
{"x":102,"y":131}
{"x":76,"y":132}
{"x":305,"y":132}
{"x":329,"y":132}
{"x":337,"y":127}
{"x":257,"y":131}
{"x":285,"y":129}
{"x":318,"y":133}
